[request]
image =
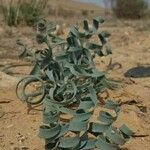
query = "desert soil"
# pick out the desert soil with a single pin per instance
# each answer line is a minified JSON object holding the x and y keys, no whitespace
{"x":131,"y":47}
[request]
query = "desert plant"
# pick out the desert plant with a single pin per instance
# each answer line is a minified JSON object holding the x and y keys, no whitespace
{"x":134,"y":9}
{"x":85,"y":13}
{"x":10,"y":12}
{"x":27,"y":11}
{"x":32,"y":10}
{"x":68,"y":83}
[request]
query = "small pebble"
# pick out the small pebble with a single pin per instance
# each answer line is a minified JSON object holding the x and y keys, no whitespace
{"x":24,"y":148}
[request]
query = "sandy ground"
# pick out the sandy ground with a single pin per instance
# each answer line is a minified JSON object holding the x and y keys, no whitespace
{"x":131,"y":47}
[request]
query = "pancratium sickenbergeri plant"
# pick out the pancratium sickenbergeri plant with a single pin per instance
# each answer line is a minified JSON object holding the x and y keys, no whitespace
{"x":69,"y":85}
